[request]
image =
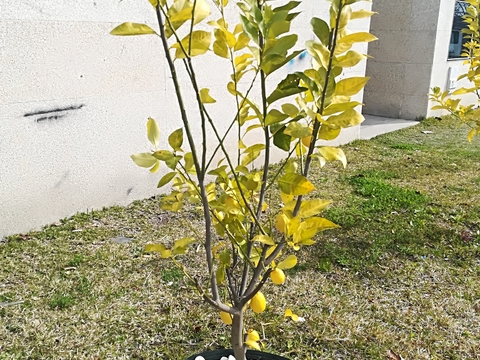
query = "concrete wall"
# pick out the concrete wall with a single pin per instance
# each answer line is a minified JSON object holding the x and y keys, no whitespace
{"x":74,"y":102}
{"x":410,"y":57}
{"x":402,"y":58}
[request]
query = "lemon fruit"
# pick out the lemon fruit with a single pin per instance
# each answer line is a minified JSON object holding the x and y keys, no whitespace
{"x":277,"y":276}
{"x":258,"y":303}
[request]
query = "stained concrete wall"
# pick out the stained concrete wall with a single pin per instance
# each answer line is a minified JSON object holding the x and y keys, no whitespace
{"x":74,"y":102}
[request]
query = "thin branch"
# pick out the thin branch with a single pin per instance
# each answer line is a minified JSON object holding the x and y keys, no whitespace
{"x":206,"y":210}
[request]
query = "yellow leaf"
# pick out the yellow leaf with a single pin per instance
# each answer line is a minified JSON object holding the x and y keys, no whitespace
{"x":286,"y":198}
{"x":346,"y":119}
{"x":183,"y":242}
{"x":220,"y":48}
{"x":145,"y":160}
{"x":350,"y":86}
{"x":295,"y":184}
{"x":252,"y":344}
{"x":153,"y":2}
{"x":288,"y":263}
{"x":462,"y":91}
{"x":356,"y":38}
{"x":202,"y":10}
{"x":155,"y":167}
{"x":205,"y":97}
{"x":350,"y":59}
{"x":188,"y":161}
{"x":131,"y":29}
{"x":290,"y":314}
{"x":471,"y":134}
{"x":253,"y":335}
{"x":361,"y":14}
{"x":264,"y":207}
{"x":281,"y":223}
{"x":331,"y":154}
{"x":200,"y":44}
{"x":319,"y":223}
{"x":155,"y":248}
{"x":309,"y":208}
{"x":264,"y":239}
{"x":242,"y":42}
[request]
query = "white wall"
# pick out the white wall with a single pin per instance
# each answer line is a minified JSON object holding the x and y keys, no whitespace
{"x":58,"y":54}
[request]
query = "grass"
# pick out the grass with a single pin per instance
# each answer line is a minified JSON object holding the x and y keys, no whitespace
{"x":402,"y":274}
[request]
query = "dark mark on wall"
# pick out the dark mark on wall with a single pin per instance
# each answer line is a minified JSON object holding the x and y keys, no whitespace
{"x":43,"y":112}
{"x":54,"y":117}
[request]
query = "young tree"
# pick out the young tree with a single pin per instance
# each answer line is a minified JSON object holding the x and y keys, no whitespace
{"x":246,"y":242}
{"x":466,"y":114}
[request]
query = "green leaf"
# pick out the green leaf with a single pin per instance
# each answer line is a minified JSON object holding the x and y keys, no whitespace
{"x":290,"y":109}
{"x":153,"y":132}
{"x":321,"y":30}
{"x":274,"y":116}
{"x":297,"y":130}
{"x":281,"y":46}
{"x":220,"y":274}
{"x":350,"y":86}
{"x":287,"y":87}
{"x":332,"y":153}
{"x":270,"y":66}
{"x":282,"y":140}
{"x":162,"y":155}
{"x":225,"y":257}
{"x":205,"y":97}
{"x":166,"y":179}
{"x":188,"y":161}
{"x":249,"y":29}
{"x":200,"y":44}
{"x":288,"y":263}
{"x":173,"y":161}
{"x":176,"y":139}
{"x":145,"y":160}
{"x":289,"y":6}
{"x":295,"y":184}
{"x":264,"y":239}
{"x":131,"y":29}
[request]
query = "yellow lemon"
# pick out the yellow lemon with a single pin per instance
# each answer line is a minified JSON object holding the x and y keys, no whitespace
{"x":226,"y":317}
{"x":258,"y":303}
{"x":277,"y":276}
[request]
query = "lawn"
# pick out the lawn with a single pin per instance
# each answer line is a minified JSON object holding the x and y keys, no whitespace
{"x":402,"y":274}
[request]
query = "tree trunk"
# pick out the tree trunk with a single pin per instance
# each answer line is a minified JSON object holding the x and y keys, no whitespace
{"x":239,"y":348}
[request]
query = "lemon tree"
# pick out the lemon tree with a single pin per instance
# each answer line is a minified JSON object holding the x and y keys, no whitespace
{"x":248,"y":243}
